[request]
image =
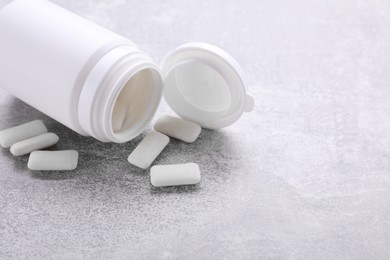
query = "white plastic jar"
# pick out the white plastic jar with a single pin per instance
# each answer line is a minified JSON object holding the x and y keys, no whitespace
{"x":81,"y":75}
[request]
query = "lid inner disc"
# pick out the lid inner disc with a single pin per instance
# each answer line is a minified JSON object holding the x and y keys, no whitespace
{"x":202,"y":86}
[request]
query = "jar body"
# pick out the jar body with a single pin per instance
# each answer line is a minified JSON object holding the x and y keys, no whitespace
{"x":47,"y":55}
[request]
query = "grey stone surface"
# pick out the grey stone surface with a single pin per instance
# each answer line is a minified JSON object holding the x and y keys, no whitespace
{"x":305,"y":176}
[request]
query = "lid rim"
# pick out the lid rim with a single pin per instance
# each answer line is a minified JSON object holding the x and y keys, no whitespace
{"x":222,"y":64}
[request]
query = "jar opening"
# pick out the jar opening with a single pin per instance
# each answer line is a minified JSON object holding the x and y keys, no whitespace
{"x":135,"y":104}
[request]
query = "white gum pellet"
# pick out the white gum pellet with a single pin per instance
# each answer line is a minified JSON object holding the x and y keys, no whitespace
{"x":178,"y":128}
{"x":175,"y":174}
{"x":119,"y":115}
{"x":10,"y":136}
{"x":148,"y":149}
{"x":34,"y":143}
{"x":53,"y":160}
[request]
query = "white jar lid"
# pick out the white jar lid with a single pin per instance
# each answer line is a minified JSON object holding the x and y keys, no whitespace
{"x":204,"y":84}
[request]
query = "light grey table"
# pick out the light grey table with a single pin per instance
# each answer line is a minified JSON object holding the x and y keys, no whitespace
{"x":305,"y":176}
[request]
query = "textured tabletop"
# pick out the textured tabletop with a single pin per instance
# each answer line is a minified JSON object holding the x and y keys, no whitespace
{"x":306,"y":175}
